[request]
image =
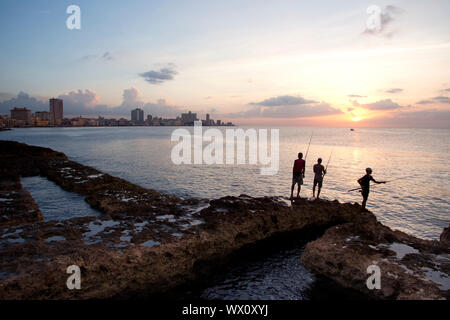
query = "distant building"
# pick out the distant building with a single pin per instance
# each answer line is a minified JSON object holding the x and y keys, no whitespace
{"x":219,"y":122}
{"x":188,"y":118}
{"x":6,"y":121}
{"x":101,"y":121}
{"x":156,"y":121}
{"x":56,"y":111}
{"x":42,"y":115}
{"x":22,"y":116}
{"x":123,"y":122}
{"x":77,"y":122}
{"x":137,"y":115}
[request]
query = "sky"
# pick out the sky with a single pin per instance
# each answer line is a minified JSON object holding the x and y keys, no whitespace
{"x":322,"y":63}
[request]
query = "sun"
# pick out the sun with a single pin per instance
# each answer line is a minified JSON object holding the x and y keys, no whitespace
{"x":356,"y":119}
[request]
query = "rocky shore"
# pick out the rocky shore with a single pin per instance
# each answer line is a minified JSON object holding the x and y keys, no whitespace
{"x":410,"y":268}
{"x":146,"y":242}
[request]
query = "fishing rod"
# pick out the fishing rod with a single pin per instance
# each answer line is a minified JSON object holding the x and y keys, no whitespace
{"x":328,"y":161}
{"x":307,"y":150}
{"x":385,"y":182}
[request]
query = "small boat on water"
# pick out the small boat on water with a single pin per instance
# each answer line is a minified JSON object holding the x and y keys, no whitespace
{"x":352,"y":129}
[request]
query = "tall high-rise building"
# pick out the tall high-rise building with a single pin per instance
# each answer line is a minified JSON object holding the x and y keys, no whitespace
{"x":56,"y":111}
{"x":22,"y":116}
{"x":137,"y":115}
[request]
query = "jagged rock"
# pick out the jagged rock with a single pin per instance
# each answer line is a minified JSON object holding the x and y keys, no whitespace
{"x":445,"y":236}
{"x":411,"y":268}
{"x":16,"y":204}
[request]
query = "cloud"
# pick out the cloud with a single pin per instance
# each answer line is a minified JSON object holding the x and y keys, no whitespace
{"x":442,"y":99}
{"x":425,"y":102}
{"x":446,"y":90}
{"x":355,"y":103}
{"x":394,"y":90}
{"x":86,"y":98}
{"x":107,"y":56}
{"x":300,"y":111}
{"x":355,"y":96}
{"x":432,"y":118}
{"x":379,"y":20}
{"x":88,"y":57}
{"x":6,"y":96}
{"x":285,"y":106}
{"x":350,"y":109}
{"x":159,"y":76}
{"x":282,"y":101}
{"x":386,"y":104}
{"x":22,"y":100}
{"x":132,"y":98}
{"x":161,"y":109}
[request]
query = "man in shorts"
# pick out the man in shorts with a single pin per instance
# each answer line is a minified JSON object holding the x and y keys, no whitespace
{"x":364,"y":182}
{"x":298,"y":173}
{"x":319,"y":173}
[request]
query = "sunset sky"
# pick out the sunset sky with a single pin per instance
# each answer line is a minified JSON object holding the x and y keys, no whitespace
{"x":251,"y":62}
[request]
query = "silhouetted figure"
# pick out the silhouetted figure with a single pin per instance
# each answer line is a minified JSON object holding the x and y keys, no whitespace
{"x":364,"y":182}
{"x":319,"y":173}
{"x":298,"y":173}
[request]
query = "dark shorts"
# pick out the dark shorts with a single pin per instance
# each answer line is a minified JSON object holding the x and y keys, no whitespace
{"x":297,"y":179}
{"x":318,"y":182}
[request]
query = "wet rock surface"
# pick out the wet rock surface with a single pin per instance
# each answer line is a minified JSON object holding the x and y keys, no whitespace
{"x":410,"y":268}
{"x":146,"y":242}
{"x":16,"y":204}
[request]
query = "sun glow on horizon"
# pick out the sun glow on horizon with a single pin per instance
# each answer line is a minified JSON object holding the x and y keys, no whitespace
{"x":356,"y":119}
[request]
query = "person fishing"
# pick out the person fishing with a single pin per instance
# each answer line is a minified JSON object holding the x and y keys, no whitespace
{"x":364,"y":182}
{"x":319,"y":173}
{"x":298,"y":173}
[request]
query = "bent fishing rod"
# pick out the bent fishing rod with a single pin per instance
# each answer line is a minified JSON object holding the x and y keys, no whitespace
{"x":384,"y":182}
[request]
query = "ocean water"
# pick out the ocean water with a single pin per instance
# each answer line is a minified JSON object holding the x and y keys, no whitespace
{"x":47,"y":193}
{"x":418,"y":203}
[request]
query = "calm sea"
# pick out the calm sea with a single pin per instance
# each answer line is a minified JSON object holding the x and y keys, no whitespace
{"x":418,"y":203}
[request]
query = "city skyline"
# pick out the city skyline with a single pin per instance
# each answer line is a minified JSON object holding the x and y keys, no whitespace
{"x":253,"y":63}
{"x":54,"y":117}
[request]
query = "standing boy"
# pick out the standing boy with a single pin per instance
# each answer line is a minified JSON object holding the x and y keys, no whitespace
{"x":319,"y":172}
{"x":298,"y":173}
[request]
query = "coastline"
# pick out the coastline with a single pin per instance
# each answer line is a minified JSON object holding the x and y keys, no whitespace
{"x":146,"y":242}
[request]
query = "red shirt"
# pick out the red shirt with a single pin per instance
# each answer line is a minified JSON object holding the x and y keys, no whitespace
{"x":299,"y":166}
